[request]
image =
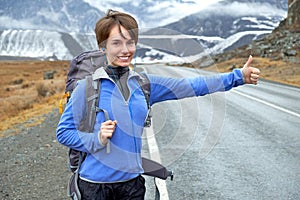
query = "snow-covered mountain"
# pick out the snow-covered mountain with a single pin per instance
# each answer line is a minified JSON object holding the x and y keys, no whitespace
{"x":43,"y":44}
{"x":61,"y":29}
{"x":223,"y":26}
{"x":154,"y":13}
{"x":58,"y":15}
{"x":81,"y":15}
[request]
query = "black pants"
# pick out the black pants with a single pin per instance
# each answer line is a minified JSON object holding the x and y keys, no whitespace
{"x":130,"y":190}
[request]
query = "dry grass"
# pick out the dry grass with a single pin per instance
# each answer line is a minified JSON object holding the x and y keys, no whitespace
{"x":25,"y":96}
{"x":21,"y":86}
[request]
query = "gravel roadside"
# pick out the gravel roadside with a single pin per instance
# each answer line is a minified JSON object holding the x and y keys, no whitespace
{"x":33,"y":163}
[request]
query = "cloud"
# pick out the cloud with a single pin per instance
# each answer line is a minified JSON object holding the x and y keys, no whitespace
{"x":243,"y":9}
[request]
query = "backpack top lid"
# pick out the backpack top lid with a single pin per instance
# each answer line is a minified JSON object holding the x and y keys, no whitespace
{"x":83,"y":65}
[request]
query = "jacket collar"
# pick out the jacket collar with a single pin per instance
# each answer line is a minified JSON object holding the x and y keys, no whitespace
{"x":101,"y":73}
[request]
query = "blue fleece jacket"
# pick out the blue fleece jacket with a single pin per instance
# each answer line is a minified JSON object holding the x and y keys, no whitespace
{"x":124,"y":160}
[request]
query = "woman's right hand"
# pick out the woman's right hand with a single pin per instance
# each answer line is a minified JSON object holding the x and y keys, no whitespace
{"x":107,"y":130}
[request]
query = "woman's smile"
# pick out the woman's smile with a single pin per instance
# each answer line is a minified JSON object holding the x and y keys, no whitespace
{"x":120,"y":47}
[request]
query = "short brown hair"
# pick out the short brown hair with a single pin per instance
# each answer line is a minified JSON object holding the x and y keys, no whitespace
{"x":112,"y":18}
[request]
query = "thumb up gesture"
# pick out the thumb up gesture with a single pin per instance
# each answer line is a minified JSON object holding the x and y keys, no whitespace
{"x":251,"y":74}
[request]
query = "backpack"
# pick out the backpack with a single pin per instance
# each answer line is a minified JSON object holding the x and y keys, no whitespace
{"x":83,"y":66}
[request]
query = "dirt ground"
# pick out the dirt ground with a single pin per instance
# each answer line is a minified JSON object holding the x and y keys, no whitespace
{"x":33,"y":164}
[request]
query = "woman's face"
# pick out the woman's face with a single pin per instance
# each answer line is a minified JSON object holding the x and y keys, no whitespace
{"x":119,"y":50}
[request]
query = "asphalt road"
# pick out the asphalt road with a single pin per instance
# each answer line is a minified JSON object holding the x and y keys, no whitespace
{"x":241,"y":144}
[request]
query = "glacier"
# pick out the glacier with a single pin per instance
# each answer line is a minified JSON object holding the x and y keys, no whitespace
{"x":44,"y":44}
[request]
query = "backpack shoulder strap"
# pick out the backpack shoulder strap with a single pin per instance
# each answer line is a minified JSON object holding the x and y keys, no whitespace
{"x":92,"y":95}
{"x":144,"y":82}
{"x":92,"y":99}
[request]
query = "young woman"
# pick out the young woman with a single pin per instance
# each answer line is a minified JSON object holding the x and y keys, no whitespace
{"x":117,"y":174}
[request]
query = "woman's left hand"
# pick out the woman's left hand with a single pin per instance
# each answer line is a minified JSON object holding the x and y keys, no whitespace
{"x":251,"y":74}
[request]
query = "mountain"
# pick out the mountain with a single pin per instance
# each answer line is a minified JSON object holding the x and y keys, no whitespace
{"x":282,"y":44}
{"x":81,"y":15}
{"x":154,"y":13}
{"x":223,"y":26}
{"x":59,"y":15}
{"x":38,"y":44}
{"x":61,"y":29}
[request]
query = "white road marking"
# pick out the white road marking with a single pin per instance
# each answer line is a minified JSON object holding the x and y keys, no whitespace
{"x":154,"y":155}
{"x":269,"y":104}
